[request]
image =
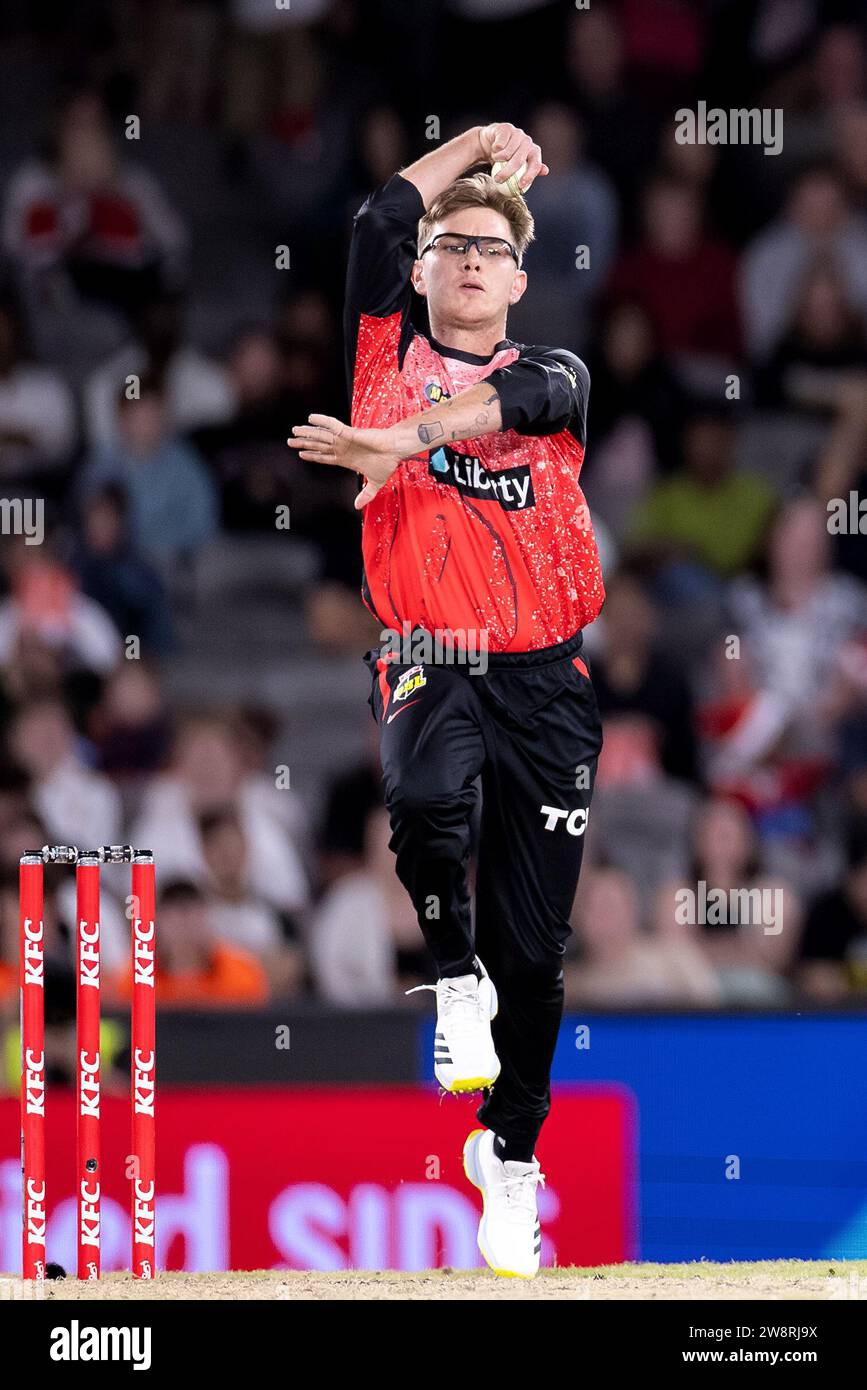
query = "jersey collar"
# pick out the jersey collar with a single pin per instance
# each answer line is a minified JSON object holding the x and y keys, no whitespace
{"x":475,"y":358}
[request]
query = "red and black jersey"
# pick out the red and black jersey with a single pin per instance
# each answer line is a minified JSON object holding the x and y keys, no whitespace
{"x":489,"y":534}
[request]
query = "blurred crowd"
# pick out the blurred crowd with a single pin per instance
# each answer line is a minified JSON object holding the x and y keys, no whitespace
{"x":154,"y":354}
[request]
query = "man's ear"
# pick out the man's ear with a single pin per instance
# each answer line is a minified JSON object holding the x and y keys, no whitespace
{"x":417,"y":278}
{"x":519,"y":285}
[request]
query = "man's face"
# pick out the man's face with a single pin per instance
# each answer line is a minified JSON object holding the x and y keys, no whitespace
{"x":469,"y":290}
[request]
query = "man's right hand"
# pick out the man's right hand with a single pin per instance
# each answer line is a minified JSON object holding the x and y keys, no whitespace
{"x":373,"y":453}
{"x":510,"y":146}
{"x":477,"y":145}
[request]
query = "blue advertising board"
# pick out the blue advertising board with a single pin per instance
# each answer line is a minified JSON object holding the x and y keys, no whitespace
{"x":751,"y":1128}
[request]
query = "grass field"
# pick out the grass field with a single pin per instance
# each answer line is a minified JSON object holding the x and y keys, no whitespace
{"x":762,"y":1280}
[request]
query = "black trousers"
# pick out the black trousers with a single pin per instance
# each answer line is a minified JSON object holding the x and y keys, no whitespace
{"x":529,"y":729}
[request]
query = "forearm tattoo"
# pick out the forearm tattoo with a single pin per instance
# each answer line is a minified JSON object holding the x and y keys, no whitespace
{"x":434,"y":429}
{"x":428,"y":433}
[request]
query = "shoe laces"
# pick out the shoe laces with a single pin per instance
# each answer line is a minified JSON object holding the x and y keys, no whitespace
{"x":520,"y":1188}
{"x":460,"y":1006}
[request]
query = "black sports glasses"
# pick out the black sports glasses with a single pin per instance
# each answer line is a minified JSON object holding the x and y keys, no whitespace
{"x":455,"y":244}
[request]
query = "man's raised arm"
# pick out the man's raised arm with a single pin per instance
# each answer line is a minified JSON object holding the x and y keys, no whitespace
{"x":384,"y":232}
{"x":440,"y":167}
{"x":499,"y":142}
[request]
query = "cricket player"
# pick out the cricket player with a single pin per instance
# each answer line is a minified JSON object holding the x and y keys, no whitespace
{"x":475,"y":538}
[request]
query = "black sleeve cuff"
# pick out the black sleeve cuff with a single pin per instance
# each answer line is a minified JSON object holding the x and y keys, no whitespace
{"x":543,"y":392}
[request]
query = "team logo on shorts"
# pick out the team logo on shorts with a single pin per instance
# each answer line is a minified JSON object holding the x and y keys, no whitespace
{"x":410,"y":681}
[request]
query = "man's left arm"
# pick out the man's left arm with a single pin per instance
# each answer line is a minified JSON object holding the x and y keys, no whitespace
{"x":543,"y":391}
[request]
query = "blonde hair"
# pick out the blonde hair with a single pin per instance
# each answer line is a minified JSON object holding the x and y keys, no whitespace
{"x":480,"y":191}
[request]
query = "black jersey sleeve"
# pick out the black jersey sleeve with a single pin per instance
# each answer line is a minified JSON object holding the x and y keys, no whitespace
{"x":545,"y":390}
{"x":381,"y":255}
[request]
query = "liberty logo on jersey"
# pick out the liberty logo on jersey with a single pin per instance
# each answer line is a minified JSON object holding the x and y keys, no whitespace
{"x":511,"y":487}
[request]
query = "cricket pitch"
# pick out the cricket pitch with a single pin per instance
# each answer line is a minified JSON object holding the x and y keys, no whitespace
{"x":764,"y":1280}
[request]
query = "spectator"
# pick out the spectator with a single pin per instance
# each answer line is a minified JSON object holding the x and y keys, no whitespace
{"x":193,"y":966}
{"x":322,"y":502}
{"x":837,"y":81}
{"x":25,"y":831}
{"x":698,"y":165}
{"x":30,"y":831}
{"x":14,"y":793}
{"x":706,"y":521}
{"x":37,"y":412}
{"x":172,"y":500}
{"x":621,"y":965}
{"x":295,"y":121}
{"x":90,"y":236}
{"x":383,"y":146}
{"x":255,"y":730}
{"x":632,"y":381}
{"x":666,"y":42}
{"x":413,"y":963}
{"x":853,"y":766}
{"x":823,"y":352}
{"x":33,"y":668}
{"x":239,"y":918}
{"x":83,"y":207}
{"x":130,"y":726}
{"x":247,"y":453}
{"x":77,"y":805}
{"x":636,"y":419}
{"x":198,"y":391}
{"x":750,"y":948}
{"x":350,"y":798}
{"x":267,"y":50}
{"x":117,"y":577}
{"x":841,"y":470}
{"x":365,"y":942}
{"x":683,"y":278}
{"x":818,"y":224}
{"x":796,"y":627}
{"x":833,"y":960}
{"x":45,"y":602}
{"x":208,"y":773}
{"x":574,"y":207}
{"x":851,"y":151}
{"x":621,"y":132}
{"x":644,"y":700}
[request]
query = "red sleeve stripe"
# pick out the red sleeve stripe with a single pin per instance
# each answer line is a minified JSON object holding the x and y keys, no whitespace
{"x":384,"y":690}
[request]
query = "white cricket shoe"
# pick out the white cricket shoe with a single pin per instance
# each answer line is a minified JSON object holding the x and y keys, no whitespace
{"x":464,"y":1055}
{"x":510,"y":1237}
